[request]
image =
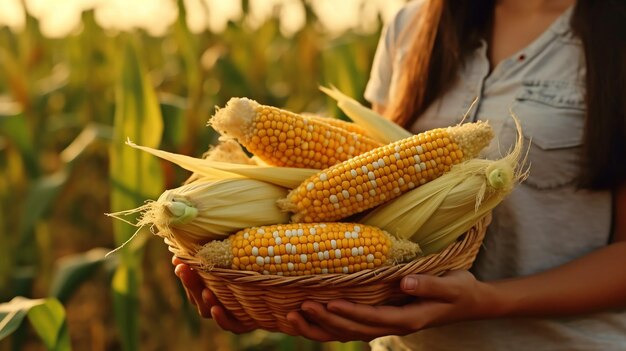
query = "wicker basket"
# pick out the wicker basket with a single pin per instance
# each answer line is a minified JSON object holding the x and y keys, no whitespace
{"x":264,"y":300}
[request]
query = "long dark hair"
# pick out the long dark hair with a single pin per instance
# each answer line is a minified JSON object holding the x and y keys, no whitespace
{"x":450,"y":30}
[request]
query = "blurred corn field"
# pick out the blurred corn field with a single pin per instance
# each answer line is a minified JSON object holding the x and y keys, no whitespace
{"x":72,"y":89}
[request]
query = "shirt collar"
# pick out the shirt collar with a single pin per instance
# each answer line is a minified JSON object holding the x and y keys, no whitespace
{"x":562,"y":25}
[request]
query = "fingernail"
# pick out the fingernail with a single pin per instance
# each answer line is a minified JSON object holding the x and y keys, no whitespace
{"x":409,"y":283}
{"x":308,"y":310}
{"x":177,"y":270}
{"x":206,"y":297}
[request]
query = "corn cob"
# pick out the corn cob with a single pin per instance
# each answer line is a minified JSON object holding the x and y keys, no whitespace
{"x":305,"y":249}
{"x":436,"y":214}
{"x":384,"y":173}
{"x":228,"y":151}
{"x":283,"y":138}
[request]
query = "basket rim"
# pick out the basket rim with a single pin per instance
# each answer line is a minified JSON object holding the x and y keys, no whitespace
{"x":466,"y":249}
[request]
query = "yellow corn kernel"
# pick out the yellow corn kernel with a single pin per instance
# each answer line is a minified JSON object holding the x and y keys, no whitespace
{"x":372,"y":172}
{"x":340,"y":252}
{"x":283,"y":138}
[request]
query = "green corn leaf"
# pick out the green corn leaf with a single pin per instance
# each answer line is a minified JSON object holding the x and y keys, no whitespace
{"x":88,"y":136}
{"x":72,"y":270}
{"x":126,"y":281}
{"x":173,"y":109}
{"x":45,"y":189}
{"x":135,"y":177}
{"x":39,"y":198}
{"x":11,"y":316}
{"x":13,"y":126}
{"x":47,"y":316}
{"x":348,"y":346}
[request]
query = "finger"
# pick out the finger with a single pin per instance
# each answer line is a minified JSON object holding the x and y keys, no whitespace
{"x":430,"y":313}
{"x":204,"y":310}
{"x":227,"y":322}
{"x":189,"y":277}
{"x":384,"y":316}
{"x":399,"y":320}
{"x":177,"y":272}
{"x":444,"y":288}
{"x":209,"y":298}
{"x":194,"y":286}
{"x":339,"y":325}
{"x":308,"y":330}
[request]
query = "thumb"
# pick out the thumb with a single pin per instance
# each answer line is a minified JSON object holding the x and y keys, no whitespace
{"x":432,"y":287}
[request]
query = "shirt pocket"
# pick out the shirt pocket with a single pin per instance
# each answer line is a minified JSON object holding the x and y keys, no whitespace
{"x":552,"y":114}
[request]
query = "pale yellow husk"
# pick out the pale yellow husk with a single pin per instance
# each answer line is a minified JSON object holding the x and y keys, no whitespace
{"x":288,"y":177}
{"x":281,"y":176}
{"x":377,"y":126}
{"x":437,"y":213}
{"x":225,"y":151}
{"x":210,"y":209}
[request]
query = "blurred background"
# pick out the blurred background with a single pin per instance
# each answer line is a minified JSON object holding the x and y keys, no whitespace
{"x":77,"y":77}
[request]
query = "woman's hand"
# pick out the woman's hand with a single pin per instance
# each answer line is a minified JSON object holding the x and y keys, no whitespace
{"x":205,"y":301}
{"x":454,"y":297}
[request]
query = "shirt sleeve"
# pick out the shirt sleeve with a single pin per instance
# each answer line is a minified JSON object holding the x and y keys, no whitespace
{"x":387,"y":53}
{"x":377,"y":88}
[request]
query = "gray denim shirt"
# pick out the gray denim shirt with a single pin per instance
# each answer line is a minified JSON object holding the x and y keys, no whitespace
{"x":546,"y":221}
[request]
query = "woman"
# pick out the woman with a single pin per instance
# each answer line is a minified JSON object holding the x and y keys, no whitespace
{"x":548,"y":277}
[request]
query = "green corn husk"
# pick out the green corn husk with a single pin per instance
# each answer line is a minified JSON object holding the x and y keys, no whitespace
{"x":438,"y":213}
{"x":282,"y":176}
{"x":377,"y":126}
